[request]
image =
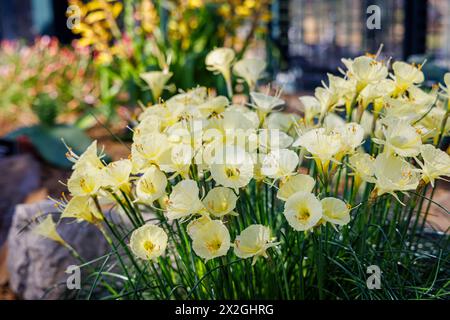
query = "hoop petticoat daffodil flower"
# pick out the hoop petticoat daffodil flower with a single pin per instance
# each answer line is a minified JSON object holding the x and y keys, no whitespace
{"x":220,"y":201}
{"x":184,"y":200}
{"x":47,"y":229}
{"x":151,"y":149}
{"x":89,"y":158}
{"x":279,"y":163}
{"x":211,"y":240}
{"x":265,"y":103}
{"x":352,"y":135}
{"x":148,"y":242}
{"x":232,"y":167}
{"x":447,"y":81}
{"x":156,"y":80}
{"x":180,"y":159}
{"x":363,"y":166}
{"x":253,"y":242}
{"x":151,"y":185}
{"x":273,"y":139}
{"x":373,"y":92}
{"x":400,"y":137}
{"x":82,"y":208}
{"x":393,"y":173}
{"x":250,"y":70}
{"x":116,"y":175}
{"x":219,"y":61}
{"x":365,"y":70}
{"x":446,"y":88}
{"x":406,"y":75}
{"x":295,"y":183}
{"x":335,"y":211}
{"x":303,"y":211}
{"x":215,"y":105}
{"x":321,"y":145}
{"x":328,"y":98}
{"x":310,"y":107}
{"x":195,"y":224}
{"x":435,"y":163}
{"x":85,"y":181}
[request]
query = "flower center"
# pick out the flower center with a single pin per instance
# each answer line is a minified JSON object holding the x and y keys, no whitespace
{"x":303,"y":214}
{"x":149,"y":246}
{"x":148,"y":187}
{"x":232,"y":172}
{"x":214,"y":245}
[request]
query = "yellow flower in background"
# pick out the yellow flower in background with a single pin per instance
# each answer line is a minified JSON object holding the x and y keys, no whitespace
{"x":148,"y":242}
{"x":406,"y":75}
{"x":400,"y":137}
{"x":156,"y":80}
{"x":335,"y":211}
{"x":220,"y":201}
{"x":393,"y":174}
{"x":435,"y":163}
{"x":147,"y":14}
{"x":47,"y":229}
{"x":184,"y":200}
{"x":302,"y":211}
{"x":82,"y":208}
{"x":279,"y":163}
{"x":253,"y":242}
{"x":251,"y":70}
{"x":151,"y":185}
{"x":295,"y":183}
{"x":211,"y":240}
{"x":98,"y":26}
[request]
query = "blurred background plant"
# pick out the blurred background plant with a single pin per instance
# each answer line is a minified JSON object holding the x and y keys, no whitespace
{"x":47,"y":79}
{"x":137,"y":43}
{"x":57,"y":86}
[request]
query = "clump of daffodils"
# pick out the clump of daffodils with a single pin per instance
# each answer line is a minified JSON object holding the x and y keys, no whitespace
{"x":227,"y":177}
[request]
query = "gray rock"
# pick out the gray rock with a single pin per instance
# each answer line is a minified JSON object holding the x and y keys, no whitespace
{"x":20,"y":176}
{"x":37,"y":265}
